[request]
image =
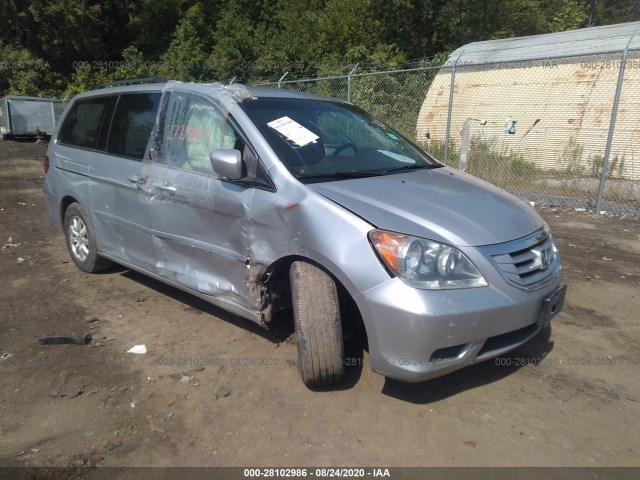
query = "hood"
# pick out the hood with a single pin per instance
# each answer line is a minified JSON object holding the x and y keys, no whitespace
{"x":440,"y":204}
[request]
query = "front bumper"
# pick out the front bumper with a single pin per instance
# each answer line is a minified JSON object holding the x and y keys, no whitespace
{"x":417,"y":335}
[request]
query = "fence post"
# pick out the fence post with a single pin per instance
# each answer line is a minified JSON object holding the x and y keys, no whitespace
{"x":464,"y":145}
{"x":612,"y":125}
{"x":282,"y":78}
{"x":448,"y":132}
{"x":353,"y":70}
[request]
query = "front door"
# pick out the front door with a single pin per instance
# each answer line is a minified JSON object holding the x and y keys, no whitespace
{"x":198,"y":219}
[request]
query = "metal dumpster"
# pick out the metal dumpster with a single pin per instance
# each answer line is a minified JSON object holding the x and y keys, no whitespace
{"x":28,"y":116}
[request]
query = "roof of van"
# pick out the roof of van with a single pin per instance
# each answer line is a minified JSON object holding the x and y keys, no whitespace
{"x":214,"y":90}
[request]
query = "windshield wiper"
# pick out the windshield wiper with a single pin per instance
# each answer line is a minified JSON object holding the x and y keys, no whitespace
{"x":340,"y":175}
{"x":414,"y":166}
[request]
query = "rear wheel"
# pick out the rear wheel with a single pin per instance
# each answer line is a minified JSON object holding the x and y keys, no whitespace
{"x":81,"y":241}
{"x":316,"y":314}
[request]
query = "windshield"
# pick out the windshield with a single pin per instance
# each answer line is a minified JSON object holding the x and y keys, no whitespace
{"x":320,"y":140}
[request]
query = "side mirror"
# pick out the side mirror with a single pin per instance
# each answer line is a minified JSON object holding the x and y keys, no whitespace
{"x":227,"y":162}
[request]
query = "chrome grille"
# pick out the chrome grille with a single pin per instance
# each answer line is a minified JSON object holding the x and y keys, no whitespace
{"x":530,"y":262}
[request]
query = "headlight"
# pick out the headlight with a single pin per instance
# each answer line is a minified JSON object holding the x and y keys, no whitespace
{"x":425,"y":264}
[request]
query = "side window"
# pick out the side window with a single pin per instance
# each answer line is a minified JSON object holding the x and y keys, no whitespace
{"x":82,"y":124}
{"x":193,"y":127}
{"x":132,"y":123}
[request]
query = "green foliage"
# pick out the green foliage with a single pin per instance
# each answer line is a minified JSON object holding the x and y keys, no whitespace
{"x":394,"y":98}
{"x":572,"y":15}
{"x":614,"y":166}
{"x":573,"y":153}
{"x":186,"y":56}
{"x":132,"y":65}
{"x":81,"y":42}
{"x":436,"y":149}
{"x":607,"y":12}
{"x":151,"y":25}
{"x":22,"y":73}
{"x":238,"y":39}
{"x":488,"y":160}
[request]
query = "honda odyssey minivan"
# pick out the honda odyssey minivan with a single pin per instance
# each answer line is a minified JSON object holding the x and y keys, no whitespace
{"x":258,"y":200}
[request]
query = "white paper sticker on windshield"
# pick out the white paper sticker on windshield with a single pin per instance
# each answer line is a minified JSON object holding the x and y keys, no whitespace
{"x":293,"y":131}
{"x":397,"y":156}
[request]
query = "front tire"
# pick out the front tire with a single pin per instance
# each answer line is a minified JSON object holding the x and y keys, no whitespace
{"x":316,"y":314}
{"x":81,"y":241}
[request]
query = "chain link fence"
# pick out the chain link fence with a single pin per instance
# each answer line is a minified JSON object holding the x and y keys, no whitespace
{"x":557,"y":131}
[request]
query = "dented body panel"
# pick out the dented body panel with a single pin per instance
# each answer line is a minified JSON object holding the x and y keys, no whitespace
{"x":162,"y":210}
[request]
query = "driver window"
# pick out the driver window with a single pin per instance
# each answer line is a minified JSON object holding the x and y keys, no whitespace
{"x":194,"y":127}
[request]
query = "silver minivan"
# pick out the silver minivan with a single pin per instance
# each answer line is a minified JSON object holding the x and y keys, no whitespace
{"x":258,"y":200}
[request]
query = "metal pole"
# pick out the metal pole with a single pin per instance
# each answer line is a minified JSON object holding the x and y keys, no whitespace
{"x":464,"y":145}
{"x":282,"y":78}
{"x":349,"y":82}
{"x":612,"y":125}
{"x":448,"y":132}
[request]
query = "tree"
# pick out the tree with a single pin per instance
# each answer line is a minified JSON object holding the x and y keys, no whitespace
{"x":186,"y":57}
{"x":249,"y":39}
{"x":607,"y":12}
{"x":22,"y":73}
{"x":240,"y":34}
{"x":572,"y":15}
{"x":151,"y":23}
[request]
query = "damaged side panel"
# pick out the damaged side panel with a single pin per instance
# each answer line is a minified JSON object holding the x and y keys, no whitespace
{"x":299,"y":223}
{"x":219,"y":238}
{"x":196,"y":216}
{"x":197,"y":231}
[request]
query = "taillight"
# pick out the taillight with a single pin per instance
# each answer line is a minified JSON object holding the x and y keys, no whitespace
{"x":46,"y":163}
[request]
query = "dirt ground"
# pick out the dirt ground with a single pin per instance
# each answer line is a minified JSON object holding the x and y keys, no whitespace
{"x":216,"y":390}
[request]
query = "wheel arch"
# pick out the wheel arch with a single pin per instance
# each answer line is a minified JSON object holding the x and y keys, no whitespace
{"x":64,"y":205}
{"x":276,"y":286}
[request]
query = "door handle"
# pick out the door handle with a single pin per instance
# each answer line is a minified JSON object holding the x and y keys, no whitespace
{"x":137,"y":180}
{"x":166,"y":188}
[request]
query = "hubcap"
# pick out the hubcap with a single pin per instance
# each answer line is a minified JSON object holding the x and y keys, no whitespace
{"x":79,"y":238}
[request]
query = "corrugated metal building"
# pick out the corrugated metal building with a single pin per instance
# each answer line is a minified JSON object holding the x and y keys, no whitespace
{"x":559,"y":88}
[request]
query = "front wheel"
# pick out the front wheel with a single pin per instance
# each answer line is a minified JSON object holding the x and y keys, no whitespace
{"x":81,"y":241}
{"x":316,"y":314}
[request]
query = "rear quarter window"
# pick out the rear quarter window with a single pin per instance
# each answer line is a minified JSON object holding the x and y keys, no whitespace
{"x":82,"y":124}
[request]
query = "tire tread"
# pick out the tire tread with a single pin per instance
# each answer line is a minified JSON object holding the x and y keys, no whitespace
{"x":318,"y":327}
